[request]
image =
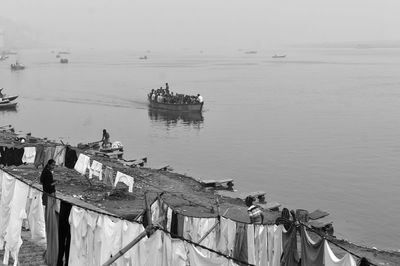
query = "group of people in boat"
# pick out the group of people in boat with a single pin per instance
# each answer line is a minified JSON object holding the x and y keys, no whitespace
{"x":164,"y":95}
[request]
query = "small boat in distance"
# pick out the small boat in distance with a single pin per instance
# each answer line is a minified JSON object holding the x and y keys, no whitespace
{"x":5,"y":97}
{"x":143,"y":57}
{"x":278,"y":56}
{"x":64,"y":61}
{"x":17,"y":66}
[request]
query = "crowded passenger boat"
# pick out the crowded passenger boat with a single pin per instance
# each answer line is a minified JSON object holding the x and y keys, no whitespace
{"x":163,"y":98}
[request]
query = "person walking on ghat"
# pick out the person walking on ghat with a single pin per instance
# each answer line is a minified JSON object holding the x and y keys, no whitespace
{"x":105,"y":139}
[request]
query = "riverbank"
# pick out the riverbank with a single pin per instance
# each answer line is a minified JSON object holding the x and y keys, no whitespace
{"x":183,"y":193}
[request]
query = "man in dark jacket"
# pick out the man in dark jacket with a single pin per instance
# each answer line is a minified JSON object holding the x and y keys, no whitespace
{"x":46,"y":179}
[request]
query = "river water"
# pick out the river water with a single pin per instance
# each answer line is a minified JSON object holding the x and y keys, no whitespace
{"x":318,"y":129}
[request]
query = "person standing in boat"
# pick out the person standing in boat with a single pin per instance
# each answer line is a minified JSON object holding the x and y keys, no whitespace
{"x":166,"y":88}
{"x":105,"y":139}
{"x":200,"y":98}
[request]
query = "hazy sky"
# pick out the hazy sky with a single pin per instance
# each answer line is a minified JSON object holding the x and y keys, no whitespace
{"x":204,"y":24}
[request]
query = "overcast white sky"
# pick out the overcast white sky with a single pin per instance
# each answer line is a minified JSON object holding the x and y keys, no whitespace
{"x":203,"y":24}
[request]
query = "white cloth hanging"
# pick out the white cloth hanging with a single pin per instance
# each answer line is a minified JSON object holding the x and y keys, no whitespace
{"x":82,"y":163}
{"x":29,"y":155}
{"x":36,"y":215}
{"x":126,"y":179}
{"x":330,"y":258}
{"x":17,"y":215}
{"x":96,"y":169}
{"x":7,"y":194}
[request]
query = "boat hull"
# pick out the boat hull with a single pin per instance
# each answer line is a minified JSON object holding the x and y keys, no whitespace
{"x":7,"y":105}
{"x":195,"y":107}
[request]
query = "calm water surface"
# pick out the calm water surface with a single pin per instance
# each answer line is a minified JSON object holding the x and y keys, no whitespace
{"x":318,"y":129}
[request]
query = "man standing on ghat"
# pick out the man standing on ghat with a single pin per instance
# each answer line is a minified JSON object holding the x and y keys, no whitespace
{"x":46,"y":179}
{"x":255,"y":213}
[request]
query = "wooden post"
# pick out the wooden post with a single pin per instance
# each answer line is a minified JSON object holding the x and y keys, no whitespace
{"x":208,"y":232}
{"x":125,"y":249}
{"x":149,"y":230}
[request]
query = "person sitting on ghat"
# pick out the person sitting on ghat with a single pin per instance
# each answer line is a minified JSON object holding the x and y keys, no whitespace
{"x":255,"y":213}
{"x":105,"y":139}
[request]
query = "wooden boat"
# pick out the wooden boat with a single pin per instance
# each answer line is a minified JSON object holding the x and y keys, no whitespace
{"x":278,"y":56}
{"x":182,"y":107}
{"x":17,"y":66}
{"x":9,"y":98}
{"x":7,"y":105}
{"x":64,"y":61}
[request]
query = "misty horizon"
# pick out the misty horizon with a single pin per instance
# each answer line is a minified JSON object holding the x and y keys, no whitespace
{"x":157,"y":25}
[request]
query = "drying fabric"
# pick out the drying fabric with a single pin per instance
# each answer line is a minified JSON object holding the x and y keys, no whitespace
{"x":17,"y":214}
{"x":196,"y":228}
{"x":51,"y":232}
{"x":330,"y":258}
{"x":226,"y":239}
{"x":240,"y":249}
{"x":126,"y":179}
{"x":59,"y":155}
{"x":7,"y":195}
{"x":2,"y":155}
{"x":179,"y":254}
{"x":250,"y":244}
{"x":91,"y":221}
{"x":36,"y":215}
{"x":261,"y":245}
{"x":108,"y":239}
{"x":270,"y":243}
{"x":82,"y":164}
{"x":312,"y":253}
{"x":13,"y":156}
{"x":39,"y":157}
{"x":108,"y":176}
{"x":129,"y":232}
{"x":290,"y":256}
{"x":169,"y":219}
{"x":78,"y":233}
{"x":29,"y":155}
{"x":163,"y":214}
{"x":96,"y":169}
{"x":155,"y":209}
{"x":70,"y":157}
{"x":64,"y":233}
{"x":277,"y":249}
{"x":48,"y":153}
{"x":153,"y":246}
{"x":177,"y":222}
{"x":196,"y":257}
